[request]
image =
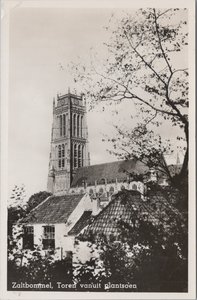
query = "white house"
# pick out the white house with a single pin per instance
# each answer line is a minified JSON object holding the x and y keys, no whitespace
{"x":54,"y":224}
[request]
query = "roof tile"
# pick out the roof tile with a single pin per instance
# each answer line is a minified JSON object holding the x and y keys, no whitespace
{"x":56,"y":209}
{"x":123,"y":207}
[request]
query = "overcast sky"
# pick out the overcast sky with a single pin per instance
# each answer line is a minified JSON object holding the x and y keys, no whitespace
{"x":41,"y":39}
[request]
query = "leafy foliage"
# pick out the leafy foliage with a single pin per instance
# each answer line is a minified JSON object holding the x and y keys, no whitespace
{"x":38,"y":269}
{"x":36,"y":199}
{"x":152,"y":253}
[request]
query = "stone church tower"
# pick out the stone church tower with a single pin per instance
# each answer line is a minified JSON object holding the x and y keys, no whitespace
{"x":69,"y":142}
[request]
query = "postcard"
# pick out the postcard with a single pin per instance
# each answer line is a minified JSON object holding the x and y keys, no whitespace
{"x":98,"y":150}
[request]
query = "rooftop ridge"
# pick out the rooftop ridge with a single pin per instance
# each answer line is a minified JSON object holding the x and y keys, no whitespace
{"x":108,"y":163}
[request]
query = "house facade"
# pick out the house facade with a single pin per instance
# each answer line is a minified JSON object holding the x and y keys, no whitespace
{"x":53,"y":224}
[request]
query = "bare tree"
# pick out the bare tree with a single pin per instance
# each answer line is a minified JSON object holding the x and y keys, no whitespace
{"x":144,"y":65}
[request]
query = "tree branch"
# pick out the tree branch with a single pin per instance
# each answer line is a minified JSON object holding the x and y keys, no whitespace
{"x":133,"y":96}
{"x":160,"y":44}
{"x":142,"y":58}
{"x":159,"y":15}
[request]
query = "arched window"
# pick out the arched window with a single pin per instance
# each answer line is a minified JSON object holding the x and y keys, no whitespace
{"x":82,"y":156}
{"x":91,"y":192}
{"x":78,"y":125}
{"x":59,"y":151}
{"x":60,"y":125}
{"x":64,"y":125}
{"x":63,"y":163}
{"x":74,"y":125}
{"x":81,"y":126}
{"x":122,"y":187}
{"x":75,"y":156}
{"x":134,"y":187}
{"x":60,"y":163}
{"x":101,"y":191}
{"x":63,"y":150}
{"x":111,"y":190}
{"x":79,"y":156}
{"x":63,"y":155}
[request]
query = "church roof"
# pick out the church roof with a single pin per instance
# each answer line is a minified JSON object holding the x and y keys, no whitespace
{"x":111,"y":171}
{"x":81,"y":223}
{"x":125,"y":207}
{"x":56,"y":209}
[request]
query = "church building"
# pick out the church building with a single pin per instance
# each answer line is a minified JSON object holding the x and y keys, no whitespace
{"x":70,"y":171}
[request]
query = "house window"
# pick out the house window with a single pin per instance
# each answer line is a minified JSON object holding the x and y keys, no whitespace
{"x":49,"y":237}
{"x":28,"y":237}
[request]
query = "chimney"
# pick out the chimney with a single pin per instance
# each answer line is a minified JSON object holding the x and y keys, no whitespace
{"x":95,"y":206}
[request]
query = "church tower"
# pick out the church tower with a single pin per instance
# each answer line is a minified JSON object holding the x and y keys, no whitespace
{"x":69,"y":141}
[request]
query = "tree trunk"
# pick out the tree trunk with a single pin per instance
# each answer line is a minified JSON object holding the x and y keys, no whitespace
{"x":184,"y":169}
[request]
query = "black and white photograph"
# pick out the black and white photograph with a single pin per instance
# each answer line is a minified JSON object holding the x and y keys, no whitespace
{"x":98,"y":150}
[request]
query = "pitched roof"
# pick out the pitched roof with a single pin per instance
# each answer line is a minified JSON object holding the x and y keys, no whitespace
{"x":56,"y":209}
{"x":111,"y":171}
{"x":81,"y":223}
{"x":123,"y":207}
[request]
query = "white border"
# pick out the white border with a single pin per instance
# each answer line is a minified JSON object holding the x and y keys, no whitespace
{"x":6,"y":6}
